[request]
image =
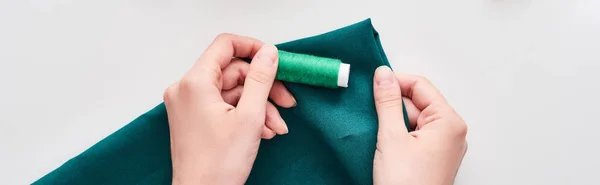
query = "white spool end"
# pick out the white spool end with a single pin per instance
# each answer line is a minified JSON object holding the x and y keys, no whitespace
{"x":343,"y":75}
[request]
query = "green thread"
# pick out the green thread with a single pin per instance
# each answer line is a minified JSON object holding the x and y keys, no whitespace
{"x":308,"y":69}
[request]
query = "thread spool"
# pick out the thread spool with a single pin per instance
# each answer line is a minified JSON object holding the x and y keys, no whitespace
{"x":312,"y":70}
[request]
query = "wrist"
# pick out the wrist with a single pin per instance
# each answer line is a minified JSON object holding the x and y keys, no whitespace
{"x":204,"y":175}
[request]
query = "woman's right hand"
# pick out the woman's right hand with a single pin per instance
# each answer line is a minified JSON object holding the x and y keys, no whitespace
{"x":433,"y":152}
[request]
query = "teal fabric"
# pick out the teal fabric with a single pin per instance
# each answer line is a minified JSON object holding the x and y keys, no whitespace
{"x":331,"y":139}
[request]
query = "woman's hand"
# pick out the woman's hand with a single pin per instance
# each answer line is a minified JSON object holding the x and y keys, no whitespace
{"x":433,"y":152}
{"x":219,"y":111}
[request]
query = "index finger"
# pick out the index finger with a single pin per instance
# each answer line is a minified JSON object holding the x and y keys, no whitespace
{"x":424,"y":95}
{"x":206,"y":73}
{"x":419,"y":90}
{"x":226,"y":46}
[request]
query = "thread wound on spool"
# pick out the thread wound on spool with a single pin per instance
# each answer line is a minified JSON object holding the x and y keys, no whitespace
{"x":311,"y":70}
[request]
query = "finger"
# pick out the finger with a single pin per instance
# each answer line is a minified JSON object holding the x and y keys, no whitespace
{"x":281,"y":96}
{"x":419,"y":90}
{"x":274,"y":121}
{"x":388,"y":102}
{"x":433,"y":106}
{"x":272,"y":118}
{"x":226,"y":46}
{"x":258,"y":82}
{"x":412,"y":111}
{"x":235,"y":73}
{"x":204,"y":77}
{"x":232,"y":96}
{"x":267,"y":133}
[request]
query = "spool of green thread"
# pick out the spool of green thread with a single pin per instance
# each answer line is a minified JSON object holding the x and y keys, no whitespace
{"x":312,"y":70}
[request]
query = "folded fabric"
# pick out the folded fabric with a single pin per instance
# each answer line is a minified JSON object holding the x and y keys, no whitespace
{"x":331,"y":139}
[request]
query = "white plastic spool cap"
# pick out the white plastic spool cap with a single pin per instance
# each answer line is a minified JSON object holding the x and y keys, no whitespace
{"x":343,"y":75}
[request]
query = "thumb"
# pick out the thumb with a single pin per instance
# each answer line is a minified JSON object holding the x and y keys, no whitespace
{"x":388,"y":102}
{"x":258,"y":82}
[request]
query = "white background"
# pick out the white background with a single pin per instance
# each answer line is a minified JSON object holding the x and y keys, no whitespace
{"x":523,"y":73}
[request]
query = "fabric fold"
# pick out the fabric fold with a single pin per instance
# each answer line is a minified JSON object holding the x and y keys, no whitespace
{"x":331,"y":139}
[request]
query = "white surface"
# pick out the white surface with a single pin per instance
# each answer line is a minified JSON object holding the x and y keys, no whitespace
{"x":343,"y":75}
{"x":523,"y":73}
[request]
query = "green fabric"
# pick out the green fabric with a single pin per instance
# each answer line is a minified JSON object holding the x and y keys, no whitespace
{"x":331,"y":140}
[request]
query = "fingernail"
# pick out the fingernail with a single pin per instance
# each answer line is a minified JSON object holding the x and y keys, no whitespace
{"x":267,"y":55}
{"x":384,"y":76}
{"x":285,"y":125}
{"x":294,"y":99}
